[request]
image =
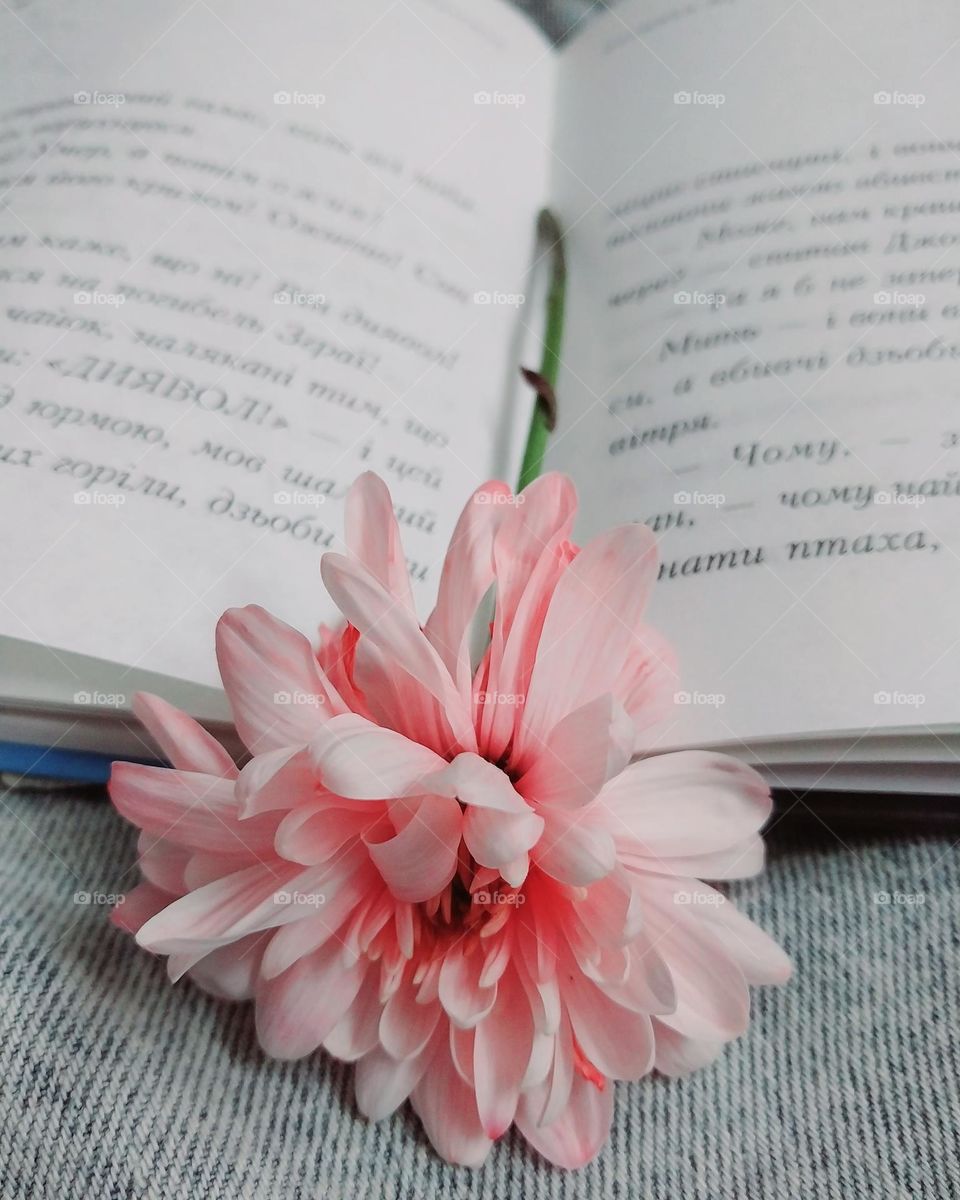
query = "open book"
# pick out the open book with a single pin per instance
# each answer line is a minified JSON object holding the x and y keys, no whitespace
{"x":251,"y":250}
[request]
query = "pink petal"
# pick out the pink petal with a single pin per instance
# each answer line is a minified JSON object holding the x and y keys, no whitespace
{"x":502,"y":1046}
{"x":578,"y":756}
{"x":356,"y":1033}
{"x":739,"y":861}
{"x":501,"y":840}
{"x":183,"y":741}
{"x":163,"y":863}
{"x":348,"y":881}
{"x":713,"y":1001}
{"x":755,"y":952}
{"x":230,"y":972}
{"x":228,"y":908}
{"x":406,"y":1026}
{"x":678,"y":1054}
{"x":465,"y":1001}
{"x":277,"y":692}
{"x":618,"y":1042}
{"x":447,"y":1109}
{"x":574,"y":849}
{"x":648,"y":682}
{"x":383,"y":1083}
{"x":358,"y":759}
{"x":685,"y":804}
{"x":297,"y":1010}
{"x":314,"y":833}
{"x":138,"y":906}
{"x":578,"y":1134}
{"x":466,"y":577}
{"x":426,"y":695}
{"x":548,"y":1102}
{"x":473,"y":780}
{"x":530,"y":552}
{"x":279,"y":779}
{"x":421,"y":859}
{"x":590,"y":628}
{"x":373,"y":537}
{"x":192,"y":810}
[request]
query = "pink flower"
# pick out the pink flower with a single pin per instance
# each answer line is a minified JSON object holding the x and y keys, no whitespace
{"x":453,"y":875}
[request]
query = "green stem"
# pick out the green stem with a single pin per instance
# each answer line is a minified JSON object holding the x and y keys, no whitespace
{"x":550,"y":235}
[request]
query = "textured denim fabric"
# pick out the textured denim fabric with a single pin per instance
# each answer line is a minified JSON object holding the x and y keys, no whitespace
{"x":115,"y":1085}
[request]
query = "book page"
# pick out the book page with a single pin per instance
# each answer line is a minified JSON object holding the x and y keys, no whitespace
{"x":763,"y":347}
{"x":249,"y":251}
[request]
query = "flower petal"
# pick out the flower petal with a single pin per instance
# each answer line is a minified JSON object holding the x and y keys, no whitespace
{"x":278,"y":779}
{"x":382,"y":1083}
{"x":503,"y":1042}
{"x":373,"y":537}
{"x":589,"y":630}
{"x":464,"y":1000}
{"x":358,"y":759}
{"x":425,"y":696}
{"x":685,"y":804}
{"x":228,"y":908}
{"x":406,"y":1026}
{"x":447,"y":1109}
{"x":356,"y":1033}
{"x":138,"y":906}
{"x":183,"y":741}
{"x":466,"y":577}
{"x":277,"y":692}
{"x":198,"y":811}
{"x":501,"y":840}
{"x":581,"y":752}
{"x":296,"y":1010}
{"x":574,"y":849}
{"x":530,"y":551}
{"x":578,"y":1134}
{"x":230,"y":972}
{"x":618,"y":1042}
{"x":421,"y":858}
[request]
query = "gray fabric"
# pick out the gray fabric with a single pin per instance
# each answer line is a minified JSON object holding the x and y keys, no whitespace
{"x":116,"y":1086}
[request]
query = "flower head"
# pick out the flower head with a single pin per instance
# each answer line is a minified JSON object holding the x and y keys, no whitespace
{"x":455,"y":875}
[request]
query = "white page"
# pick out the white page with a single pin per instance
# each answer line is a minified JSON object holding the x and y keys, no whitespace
{"x":767,"y":154}
{"x":244,"y":254}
